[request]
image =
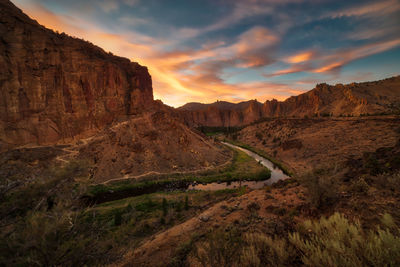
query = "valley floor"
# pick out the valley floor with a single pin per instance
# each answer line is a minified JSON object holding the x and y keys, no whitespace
{"x":350,"y":166}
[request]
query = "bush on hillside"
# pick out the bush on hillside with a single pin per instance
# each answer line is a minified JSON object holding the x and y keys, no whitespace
{"x":322,"y":188}
{"x":332,"y":241}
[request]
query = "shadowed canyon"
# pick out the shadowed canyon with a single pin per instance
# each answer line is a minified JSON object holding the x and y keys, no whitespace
{"x":95,"y":172}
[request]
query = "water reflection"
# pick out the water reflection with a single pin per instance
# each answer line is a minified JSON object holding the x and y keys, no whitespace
{"x":276,"y":175}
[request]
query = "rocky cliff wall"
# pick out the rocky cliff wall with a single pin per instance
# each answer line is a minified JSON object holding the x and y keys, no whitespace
{"x":324,"y":100}
{"x":54,"y":87}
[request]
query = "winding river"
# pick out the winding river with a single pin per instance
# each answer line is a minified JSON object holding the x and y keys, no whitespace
{"x":276,"y":175}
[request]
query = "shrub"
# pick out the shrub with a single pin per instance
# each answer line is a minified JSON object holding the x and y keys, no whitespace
{"x":372,"y":164}
{"x":253,"y":207}
{"x":360,"y":186}
{"x":46,"y":239}
{"x":322,"y":189}
{"x":164,"y":207}
{"x":186,"y":203}
{"x":262,"y":250}
{"x":117,"y":218}
{"x":178,"y":206}
{"x":389,"y":181}
{"x":276,"y":139}
{"x":334,"y":241}
{"x":220,"y":249}
{"x":264,"y":142}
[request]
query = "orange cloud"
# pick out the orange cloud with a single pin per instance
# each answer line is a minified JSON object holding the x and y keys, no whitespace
{"x":195,"y":75}
{"x":329,"y":62}
{"x":329,"y":67}
{"x":380,"y":8}
{"x":301,"y":57}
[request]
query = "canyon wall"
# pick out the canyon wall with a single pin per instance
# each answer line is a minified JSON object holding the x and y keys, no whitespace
{"x":324,"y":100}
{"x":220,"y":113}
{"x":54,"y":87}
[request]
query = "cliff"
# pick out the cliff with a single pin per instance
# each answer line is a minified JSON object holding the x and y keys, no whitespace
{"x":340,"y":100}
{"x":220,"y":113}
{"x":55,"y":87}
{"x":334,"y":100}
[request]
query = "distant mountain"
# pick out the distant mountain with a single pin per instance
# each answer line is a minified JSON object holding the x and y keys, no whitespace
{"x":222,"y":105}
{"x":221,"y":113}
{"x":324,"y":100}
{"x":351,"y":99}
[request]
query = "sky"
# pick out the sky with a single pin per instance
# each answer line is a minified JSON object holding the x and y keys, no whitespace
{"x":236,"y":50}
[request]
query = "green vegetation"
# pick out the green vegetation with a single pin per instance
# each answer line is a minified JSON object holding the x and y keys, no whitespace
{"x":332,"y":241}
{"x":42,"y":192}
{"x":72,"y":235}
{"x":242,"y":167}
{"x":263,"y":154}
{"x":337,"y":242}
{"x":210,"y":131}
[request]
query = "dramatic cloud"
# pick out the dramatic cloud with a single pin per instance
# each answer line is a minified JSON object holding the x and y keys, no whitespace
{"x":300,"y":57}
{"x":236,"y":50}
{"x":333,"y":60}
{"x":378,"y":8}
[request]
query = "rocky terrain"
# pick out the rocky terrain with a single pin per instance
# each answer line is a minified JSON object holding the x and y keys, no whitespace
{"x":58,"y":90}
{"x":55,"y":87}
{"x":353,"y":99}
{"x":79,"y":125}
{"x":221,"y":113}
{"x":150,"y":144}
{"x":307,"y":144}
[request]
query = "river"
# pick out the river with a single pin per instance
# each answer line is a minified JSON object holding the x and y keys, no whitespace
{"x":276,"y":175}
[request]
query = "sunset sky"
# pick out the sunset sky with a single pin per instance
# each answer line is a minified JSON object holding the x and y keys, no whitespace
{"x":208,"y":50}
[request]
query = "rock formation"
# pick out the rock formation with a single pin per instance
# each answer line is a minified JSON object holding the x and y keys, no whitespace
{"x":220,"y":113}
{"x":341,"y":100}
{"x":324,"y":100}
{"x":59,"y":89}
{"x":55,"y":87}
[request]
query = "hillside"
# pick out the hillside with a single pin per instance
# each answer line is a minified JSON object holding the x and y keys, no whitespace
{"x":309,"y":144}
{"x":58,"y":90}
{"x":95,"y":172}
{"x":353,"y":99}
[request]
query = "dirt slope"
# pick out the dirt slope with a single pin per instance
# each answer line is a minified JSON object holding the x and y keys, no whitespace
{"x":151,"y":143}
{"x":306,"y":144}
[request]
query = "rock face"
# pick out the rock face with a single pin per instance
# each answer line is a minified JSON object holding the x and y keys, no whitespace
{"x":340,"y":100}
{"x":55,"y":87}
{"x":324,"y":100}
{"x":58,"y":89}
{"x":220,"y":113}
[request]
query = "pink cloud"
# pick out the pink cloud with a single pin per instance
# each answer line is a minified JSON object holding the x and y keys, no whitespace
{"x":323,"y":62}
{"x":379,"y":8}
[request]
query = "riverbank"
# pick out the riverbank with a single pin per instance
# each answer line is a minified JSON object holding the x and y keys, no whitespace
{"x":242,"y":168}
{"x":286,"y":170}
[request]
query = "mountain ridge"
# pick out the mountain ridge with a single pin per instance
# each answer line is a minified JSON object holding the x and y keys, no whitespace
{"x":354,"y":99}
